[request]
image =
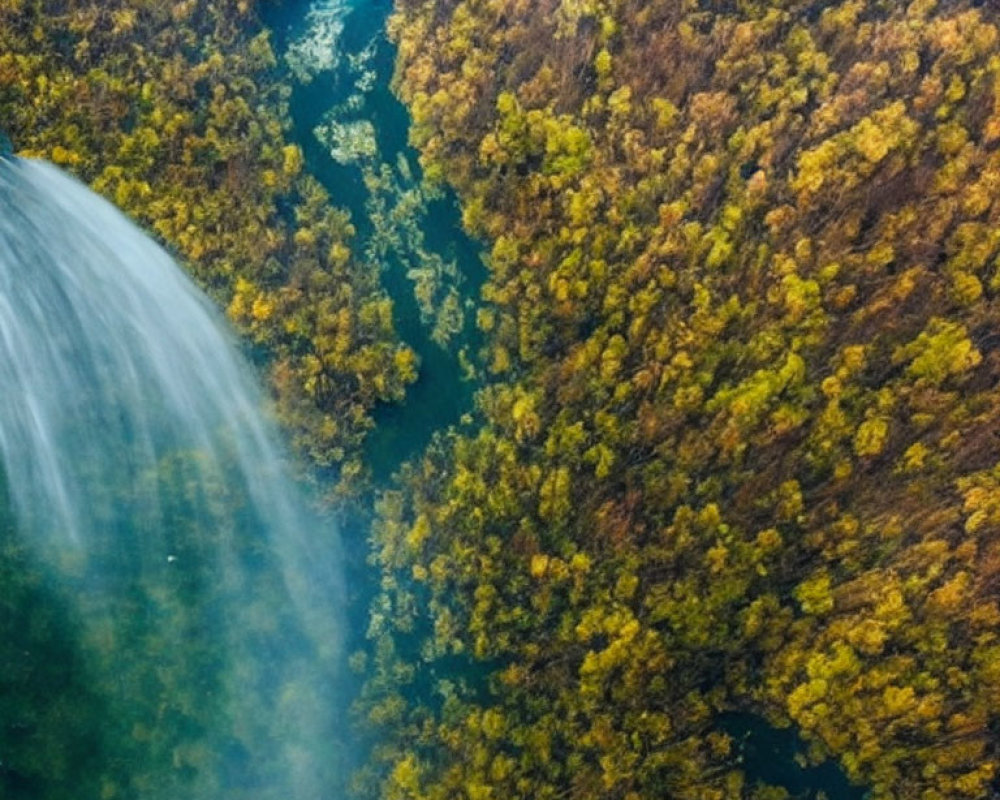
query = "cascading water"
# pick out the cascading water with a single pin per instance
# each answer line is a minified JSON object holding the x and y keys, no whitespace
{"x":169,"y":610}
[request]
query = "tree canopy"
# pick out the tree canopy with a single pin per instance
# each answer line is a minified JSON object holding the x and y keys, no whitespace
{"x":738,"y":448}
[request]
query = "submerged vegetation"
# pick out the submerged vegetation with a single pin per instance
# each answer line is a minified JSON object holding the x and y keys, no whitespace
{"x":736,"y":440}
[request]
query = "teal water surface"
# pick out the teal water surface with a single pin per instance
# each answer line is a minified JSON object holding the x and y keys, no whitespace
{"x":441,"y":395}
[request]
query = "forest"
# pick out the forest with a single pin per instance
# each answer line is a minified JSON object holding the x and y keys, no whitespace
{"x":735,"y":439}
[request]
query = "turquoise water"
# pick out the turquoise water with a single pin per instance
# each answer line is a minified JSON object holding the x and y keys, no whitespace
{"x":775,"y":756}
{"x":440,"y":397}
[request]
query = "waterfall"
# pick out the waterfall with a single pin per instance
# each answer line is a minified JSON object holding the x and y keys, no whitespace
{"x":150,"y":533}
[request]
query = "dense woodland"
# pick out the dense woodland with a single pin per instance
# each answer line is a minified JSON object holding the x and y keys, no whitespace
{"x":738,"y":440}
{"x":740,"y":444}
